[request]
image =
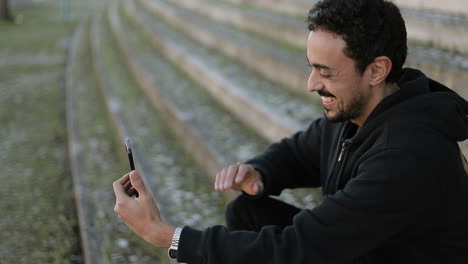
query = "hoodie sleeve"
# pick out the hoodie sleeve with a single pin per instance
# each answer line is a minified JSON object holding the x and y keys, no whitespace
{"x":393,"y":196}
{"x":292,"y":162}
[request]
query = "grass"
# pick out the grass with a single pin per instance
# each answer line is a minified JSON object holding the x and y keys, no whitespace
{"x":36,"y":197}
{"x":37,"y":188}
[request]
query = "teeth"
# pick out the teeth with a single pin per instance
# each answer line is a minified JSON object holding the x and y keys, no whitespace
{"x":327,"y":99}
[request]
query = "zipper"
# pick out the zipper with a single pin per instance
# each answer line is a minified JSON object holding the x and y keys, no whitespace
{"x":343,"y":149}
{"x":342,"y":161}
{"x":327,"y":188}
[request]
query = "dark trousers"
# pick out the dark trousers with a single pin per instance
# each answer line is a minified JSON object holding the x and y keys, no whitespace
{"x":246,"y":213}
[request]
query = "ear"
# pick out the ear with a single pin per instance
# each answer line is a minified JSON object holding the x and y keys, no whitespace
{"x":379,"y":70}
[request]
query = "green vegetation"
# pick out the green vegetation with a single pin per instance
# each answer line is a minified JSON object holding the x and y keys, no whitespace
{"x":36,"y":198}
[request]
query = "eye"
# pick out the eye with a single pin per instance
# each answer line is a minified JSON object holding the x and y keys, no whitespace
{"x":325,"y":75}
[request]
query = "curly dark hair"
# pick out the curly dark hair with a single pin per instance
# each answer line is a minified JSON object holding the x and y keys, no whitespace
{"x":370,"y":28}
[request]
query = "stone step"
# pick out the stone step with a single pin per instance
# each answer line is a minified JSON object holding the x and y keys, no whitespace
{"x":85,"y":211}
{"x":298,"y":8}
{"x":288,"y":29}
{"x":95,"y":164}
{"x":207,"y":130}
{"x":167,"y":43}
{"x":272,"y":111}
{"x":456,"y":8}
{"x":287,"y":68}
{"x":184,"y":194}
{"x":446,"y":67}
{"x":427,"y":58}
{"x":452,"y":7}
{"x":440,"y":29}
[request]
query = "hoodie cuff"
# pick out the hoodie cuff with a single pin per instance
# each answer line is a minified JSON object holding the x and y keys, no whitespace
{"x":190,"y":246}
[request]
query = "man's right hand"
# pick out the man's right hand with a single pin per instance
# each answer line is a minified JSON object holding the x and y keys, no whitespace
{"x":240,"y":177}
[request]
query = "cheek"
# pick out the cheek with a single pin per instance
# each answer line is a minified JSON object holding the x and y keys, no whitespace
{"x":344,"y":93}
{"x":336,"y":89}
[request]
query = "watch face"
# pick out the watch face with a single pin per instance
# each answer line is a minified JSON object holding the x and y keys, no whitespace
{"x":172,"y":253}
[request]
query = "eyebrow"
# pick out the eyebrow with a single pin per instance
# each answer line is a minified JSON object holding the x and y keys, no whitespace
{"x":320,"y":66}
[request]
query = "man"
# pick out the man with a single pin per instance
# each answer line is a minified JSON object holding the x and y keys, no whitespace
{"x":385,"y":154}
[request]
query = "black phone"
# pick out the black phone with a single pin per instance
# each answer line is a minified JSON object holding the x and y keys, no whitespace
{"x":128,"y":148}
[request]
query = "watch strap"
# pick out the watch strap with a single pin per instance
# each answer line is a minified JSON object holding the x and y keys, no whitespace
{"x":172,"y":251}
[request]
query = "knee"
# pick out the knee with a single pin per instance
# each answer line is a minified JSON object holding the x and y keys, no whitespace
{"x":236,"y":206}
{"x":236,"y":210}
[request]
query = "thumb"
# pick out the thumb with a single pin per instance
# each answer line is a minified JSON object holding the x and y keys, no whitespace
{"x":137,"y":182}
{"x":257,"y":187}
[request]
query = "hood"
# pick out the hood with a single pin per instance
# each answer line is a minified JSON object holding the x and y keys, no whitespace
{"x":427,"y":102}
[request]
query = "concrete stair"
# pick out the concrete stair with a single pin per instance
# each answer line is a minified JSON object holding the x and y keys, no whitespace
{"x":434,"y":36}
{"x":442,"y":24}
{"x":95,"y":162}
{"x":201,"y":64}
{"x":198,"y":85}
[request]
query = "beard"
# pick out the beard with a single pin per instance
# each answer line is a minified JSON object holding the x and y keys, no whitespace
{"x":352,"y":111}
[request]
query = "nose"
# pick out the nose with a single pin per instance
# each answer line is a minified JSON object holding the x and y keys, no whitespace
{"x":314,"y":83}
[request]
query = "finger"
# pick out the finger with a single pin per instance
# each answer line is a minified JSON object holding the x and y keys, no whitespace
{"x":257,"y":187}
{"x":124,"y":179}
{"x":242,"y":174}
{"x":127,"y":185}
{"x":231,"y":174}
{"x":132,"y":192}
{"x":138,"y":183}
{"x":222,"y":176}
{"x":216,"y":184}
{"x":119,"y":191}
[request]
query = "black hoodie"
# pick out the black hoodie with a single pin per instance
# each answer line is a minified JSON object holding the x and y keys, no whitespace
{"x":394,"y":192}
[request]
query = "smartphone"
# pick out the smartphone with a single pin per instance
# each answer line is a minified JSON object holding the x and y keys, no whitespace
{"x":128,"y":147}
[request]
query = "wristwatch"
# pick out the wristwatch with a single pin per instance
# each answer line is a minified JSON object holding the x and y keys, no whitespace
{"x":172,"y":251}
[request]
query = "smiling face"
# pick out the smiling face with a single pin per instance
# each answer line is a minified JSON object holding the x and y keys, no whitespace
{"x":346,"y":93}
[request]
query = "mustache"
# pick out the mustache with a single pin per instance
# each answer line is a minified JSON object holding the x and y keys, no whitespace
{"x":325,"y":93}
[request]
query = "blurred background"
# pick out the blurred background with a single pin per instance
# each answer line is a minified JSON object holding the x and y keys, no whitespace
{"x":195,"y":85}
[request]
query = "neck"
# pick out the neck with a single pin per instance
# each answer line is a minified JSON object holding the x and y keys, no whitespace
{"x":380,"y":92}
